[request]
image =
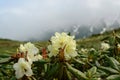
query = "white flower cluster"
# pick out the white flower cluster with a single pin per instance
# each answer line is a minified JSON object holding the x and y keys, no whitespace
{"x":60,"y":41}
{"x":23,"y":66}
{"x":104,"y":46}
{"x":84,"y":51}
{"x":60,"y":44}
{"x":118,"y":45}
{"x":31,"y":50}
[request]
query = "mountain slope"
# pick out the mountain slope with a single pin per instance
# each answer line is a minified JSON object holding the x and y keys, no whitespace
{"x":95,"y":40}
{"x":9,"y":46}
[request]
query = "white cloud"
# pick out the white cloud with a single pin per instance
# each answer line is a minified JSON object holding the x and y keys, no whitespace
{"x":94,"y":4}
{"x":32,"y":18}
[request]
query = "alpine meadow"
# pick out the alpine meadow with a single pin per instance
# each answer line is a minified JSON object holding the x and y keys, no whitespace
{"x":59,"y":39}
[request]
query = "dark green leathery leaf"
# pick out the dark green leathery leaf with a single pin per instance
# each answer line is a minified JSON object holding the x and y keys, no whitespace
{"x":53,"y":71}
{"x":76,"y":72}
{"x":108,"y":69}
{"x":5,"y":60}
{"x":113,"y":77}
{"x":113,"y":62}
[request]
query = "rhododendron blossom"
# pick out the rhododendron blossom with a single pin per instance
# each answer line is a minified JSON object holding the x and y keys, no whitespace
{"x":22,"y":68}
{"x":31,"y":50}
{"x":105,"y":46}
{"x":60,"y":41}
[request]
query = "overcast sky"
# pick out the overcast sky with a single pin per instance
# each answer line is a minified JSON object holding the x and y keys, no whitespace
{"x":23,"y":19}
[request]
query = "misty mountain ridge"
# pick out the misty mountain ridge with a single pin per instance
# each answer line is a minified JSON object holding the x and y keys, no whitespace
{"x":84,"y":31}
{"x":81,"y":31}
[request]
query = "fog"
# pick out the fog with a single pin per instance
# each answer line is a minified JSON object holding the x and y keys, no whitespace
{"x":38,"y":19}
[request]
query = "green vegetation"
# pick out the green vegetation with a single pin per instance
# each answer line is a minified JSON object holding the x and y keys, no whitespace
{"x":8,"y":46}
{"x":94,"y":41}
{"x":93,"y":62}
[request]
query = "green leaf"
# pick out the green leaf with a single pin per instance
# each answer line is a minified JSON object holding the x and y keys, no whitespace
{"x":4,"y":72}
{"x":52,"y":72}
{"x":108,"y":70}
{"x":13,"y":78}
{"x":91,"y":72}
{"x":95,"y":79}
{"x":5,"y":60}
{"x":30,"y":78}
{"x":102,"y":73}
{"x":78,"y":61}
{"x":69,"y":33}
{"x":42,"y":62}
{"x":68,"y":75}
{"x":4,"y":55}
{"x":118,"y":38}
{"x":33,"y":78}
{"x":76,"y":72}
{"x":97,"y":63}
{"x":45,"y":67}
{"x":60,"y":72}
{"x":113,"y":62}
{"x":113,"y":77}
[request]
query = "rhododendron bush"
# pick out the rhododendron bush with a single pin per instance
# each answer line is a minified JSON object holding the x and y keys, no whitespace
{"x":62,"y":60}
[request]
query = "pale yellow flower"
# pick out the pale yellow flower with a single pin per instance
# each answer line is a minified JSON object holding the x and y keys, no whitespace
{"x":105,"y":46}
{"x":55,"y":79}
{"x":37,"y":57}
{"x":60,"y":41}
{"x":22,"y":68}
{"x":32,"y":52}
{"x":29,"y":48}
{"x":84,"y":51}
{"x":22,"y":48}
{"x":118,"y":45}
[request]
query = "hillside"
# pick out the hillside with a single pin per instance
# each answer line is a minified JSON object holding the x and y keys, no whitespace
{"x":9,"y":46}
{"x":95,"y":40}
